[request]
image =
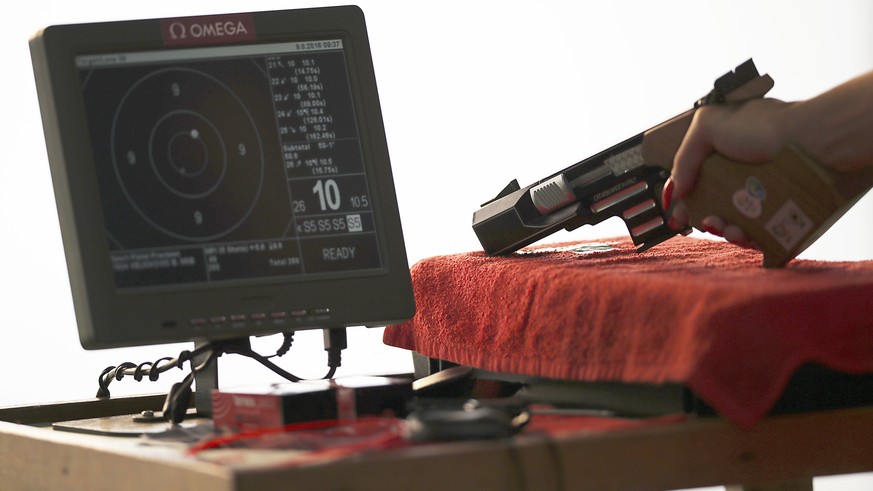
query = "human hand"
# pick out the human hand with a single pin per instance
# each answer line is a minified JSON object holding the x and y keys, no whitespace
{"x":749,"y":132}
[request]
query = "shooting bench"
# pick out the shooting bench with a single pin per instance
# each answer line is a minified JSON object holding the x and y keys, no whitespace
{"x":747,"y":411}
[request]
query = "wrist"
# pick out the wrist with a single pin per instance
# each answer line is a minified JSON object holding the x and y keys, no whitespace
{"x":794,"y":124}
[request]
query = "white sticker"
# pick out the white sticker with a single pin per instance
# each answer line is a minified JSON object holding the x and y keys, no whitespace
{"x":746,"y":204}
{"x":789,"y":225}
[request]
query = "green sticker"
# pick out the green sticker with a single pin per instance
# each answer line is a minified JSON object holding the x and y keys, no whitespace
{"x":755,"y":188}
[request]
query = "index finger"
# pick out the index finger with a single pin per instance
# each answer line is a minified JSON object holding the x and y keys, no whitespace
{"x":696,"y":146}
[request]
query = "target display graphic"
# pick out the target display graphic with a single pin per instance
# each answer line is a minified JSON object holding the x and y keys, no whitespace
{"x":180,"y":158}
{"x":221,"y":164}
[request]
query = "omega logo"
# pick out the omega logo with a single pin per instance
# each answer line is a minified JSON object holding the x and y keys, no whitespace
{"x":213,"y":29}
{"x":179,"y":30}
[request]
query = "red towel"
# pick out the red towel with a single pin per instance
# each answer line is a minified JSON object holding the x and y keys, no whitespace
{"x":697,"y":312}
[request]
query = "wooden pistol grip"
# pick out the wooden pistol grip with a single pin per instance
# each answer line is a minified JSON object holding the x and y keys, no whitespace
{"x":783,"y":205}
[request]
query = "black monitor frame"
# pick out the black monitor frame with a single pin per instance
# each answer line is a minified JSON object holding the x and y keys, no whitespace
{"x":108,"y":316}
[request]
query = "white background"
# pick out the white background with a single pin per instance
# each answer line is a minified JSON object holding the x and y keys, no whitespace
{"x":474,"y":94}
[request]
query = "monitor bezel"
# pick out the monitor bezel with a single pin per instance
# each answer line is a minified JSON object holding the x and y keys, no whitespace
{"x":108,"y":317}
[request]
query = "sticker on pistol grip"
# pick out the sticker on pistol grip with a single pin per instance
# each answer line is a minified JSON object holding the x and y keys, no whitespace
{"x":789,"y":225}
{"x":747,"y":204}
{"x":747,"y":200}
{"x":756,"y":188}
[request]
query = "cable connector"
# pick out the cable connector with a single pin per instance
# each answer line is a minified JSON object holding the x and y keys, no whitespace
{"x":335,"y":341}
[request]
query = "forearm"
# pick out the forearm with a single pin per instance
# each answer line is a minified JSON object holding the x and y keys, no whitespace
{"x":837,"y":126}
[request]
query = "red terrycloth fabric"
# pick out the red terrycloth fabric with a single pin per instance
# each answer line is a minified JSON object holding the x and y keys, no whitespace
{"x":693,"y":311}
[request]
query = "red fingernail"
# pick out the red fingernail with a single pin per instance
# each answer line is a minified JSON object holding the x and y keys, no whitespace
{"x":667,"y":196}
{"x":712,"y":230}
{"x":673,"y":224}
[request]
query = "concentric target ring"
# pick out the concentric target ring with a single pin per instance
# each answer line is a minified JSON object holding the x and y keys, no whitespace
{"x":187,"y":154}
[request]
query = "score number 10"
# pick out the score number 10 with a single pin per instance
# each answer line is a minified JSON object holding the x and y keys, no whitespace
{"x":329,"y":198}
{"x":328,"y":194}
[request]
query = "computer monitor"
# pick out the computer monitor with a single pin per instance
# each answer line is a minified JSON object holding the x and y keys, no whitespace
{"x":221,"y":176}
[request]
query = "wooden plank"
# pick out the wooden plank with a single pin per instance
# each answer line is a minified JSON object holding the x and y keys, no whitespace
{"x":799,"y":485}
{"x":782,"y":451}
{"x":779,"y":451}
{"x":505,"y":465}
{"x":40,"y":459}
{"x":710,"y":452}
{"x":44,"y":414}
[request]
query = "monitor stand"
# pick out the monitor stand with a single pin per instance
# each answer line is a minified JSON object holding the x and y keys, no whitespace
{"x":206,"y":378}
{"x":203,"y":376}
{"x":204,"y":382}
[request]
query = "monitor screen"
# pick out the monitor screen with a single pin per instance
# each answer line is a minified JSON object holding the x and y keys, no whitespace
{"x":221,"y":176}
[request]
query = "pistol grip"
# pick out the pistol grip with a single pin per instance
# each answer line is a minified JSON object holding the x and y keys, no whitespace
{"x":783,"y":205}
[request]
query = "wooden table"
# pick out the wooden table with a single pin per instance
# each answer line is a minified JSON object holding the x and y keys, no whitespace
{"x":780,"y":453}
